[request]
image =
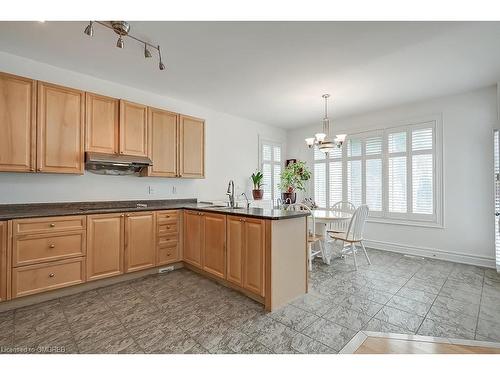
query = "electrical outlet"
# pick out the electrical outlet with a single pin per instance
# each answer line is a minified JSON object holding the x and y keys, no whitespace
{"x":166,"y":269}
{"x":174,"y":189}
{"x":151,"y":190}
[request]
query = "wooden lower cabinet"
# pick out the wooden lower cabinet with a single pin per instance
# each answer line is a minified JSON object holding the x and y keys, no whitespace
{"x":43,"y":277}
{"x":105,"y":245}
{"x":246,"y":253}
{"x":214,"y":244}
{"x":192,"y":238}
{"x":140,"y":241}
{"x":4,"y":267}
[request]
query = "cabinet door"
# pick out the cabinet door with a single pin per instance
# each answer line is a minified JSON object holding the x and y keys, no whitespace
{"x":133,"y":129}
{"x":163,"y":140}
{"x":192,"y":238}
{"x":235,"y":236}
{"x":254,"y":256}
{"x":3,"y":261}
{"x":105,"y":235}
{"x":214,"y":244}
{"x":17,"y":123}
{"x":101,"y":123}
{"x":60,"y":129}
{"x":192,"y":147}
{"x":140,"y":241}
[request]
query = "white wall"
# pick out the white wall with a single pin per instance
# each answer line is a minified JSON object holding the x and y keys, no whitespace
{"x":468,"y":123}
{"x":231,"y":149}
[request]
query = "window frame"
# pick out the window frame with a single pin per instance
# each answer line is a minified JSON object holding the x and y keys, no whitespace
{"x":436,"y":219}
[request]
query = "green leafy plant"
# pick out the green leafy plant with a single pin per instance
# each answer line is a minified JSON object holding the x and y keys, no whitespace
{"x":294,"y":177}
{"x":257,"y":178}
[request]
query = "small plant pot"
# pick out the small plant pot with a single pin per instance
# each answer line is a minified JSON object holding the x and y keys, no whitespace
{"x":257,"y":194}
{"x":288,"y":197}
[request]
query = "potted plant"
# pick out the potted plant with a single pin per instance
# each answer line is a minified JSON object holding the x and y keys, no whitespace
{"x":293,"y":178}
{"x":257,"y":192}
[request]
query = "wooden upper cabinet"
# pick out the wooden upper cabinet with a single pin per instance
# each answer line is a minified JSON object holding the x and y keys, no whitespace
{"x":234,"y":243}
{"x":17,"y":123}
{"x":101,"y":123}
{"x":140,"y":241}
{"x":192,"y":238}
{"x":163,"y":143}
{"x":105,"y":235}
{"x":192,"y":147}
{"x":214,"y":244}
{"x":133,"y":129}
{"x":4,"y":279}
{"x":254,"y":256}
{"x":60,"y":129}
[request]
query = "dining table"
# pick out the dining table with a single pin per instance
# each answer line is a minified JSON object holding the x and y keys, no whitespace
{"x":326,"y":219}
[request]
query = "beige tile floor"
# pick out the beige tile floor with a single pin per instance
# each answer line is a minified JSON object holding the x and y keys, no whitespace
{"x":182,"y":312}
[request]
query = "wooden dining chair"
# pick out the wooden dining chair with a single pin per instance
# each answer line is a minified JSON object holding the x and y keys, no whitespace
{"x":354,"y":234}
{"x":340,"y":226}
{"x":312,"y":236}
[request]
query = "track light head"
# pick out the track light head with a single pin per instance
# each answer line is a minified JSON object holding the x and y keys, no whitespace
{"x":147,"y":53}
{"x":89,"y":30}
{"x":119,"y":42}
{"x":161,"y":66}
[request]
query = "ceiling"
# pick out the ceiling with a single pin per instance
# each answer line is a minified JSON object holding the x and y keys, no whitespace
{"x":276,"y":72}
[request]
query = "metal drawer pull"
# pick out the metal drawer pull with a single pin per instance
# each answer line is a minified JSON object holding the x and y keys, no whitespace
{"x":52,"y":225}
{"x":52,"y":245}
{"x":51,"y":275}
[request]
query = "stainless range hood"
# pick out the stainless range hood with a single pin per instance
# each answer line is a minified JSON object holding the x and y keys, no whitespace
{"x":113,"y":164}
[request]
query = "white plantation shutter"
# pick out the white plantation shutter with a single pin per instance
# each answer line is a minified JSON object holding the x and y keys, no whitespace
{"x":395,"y":171}
{"x":496,"y":179}
{"x":271,"y":157}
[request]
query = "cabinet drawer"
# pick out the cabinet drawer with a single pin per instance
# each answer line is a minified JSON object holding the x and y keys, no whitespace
{"x":167,"y":216}
{"x":168,"y":254}
{"x":47,"y":276}
{"x":47,"y":247}
{"x":167,"y":240}
{"x":167,"y":228}
{"x":48,"y":224}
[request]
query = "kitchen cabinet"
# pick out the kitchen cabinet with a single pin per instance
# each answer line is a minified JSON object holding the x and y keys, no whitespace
{"x":101,"y":123}
{"x":235,"y":248}
{"x":105,"y":245}
{"x":140,"y":241}
{"x":4,"y":266}
{"x":214,"y":244}
{"x":133,"y":129}
{"x":246,"y":253}
{"x":192,"y":238}
{"x":167,"y":233}
{"x":60,"y":119}
{"x":17,"y":123}
{"x":192,"y":147}
{"x":163,"y":143}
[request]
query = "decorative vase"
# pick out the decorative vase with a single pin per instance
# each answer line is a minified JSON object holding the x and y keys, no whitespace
{"x":257,"y":194}
{"x":288,"y":197}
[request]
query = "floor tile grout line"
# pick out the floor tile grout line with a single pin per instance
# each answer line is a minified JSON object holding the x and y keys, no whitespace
{"x":479,"y":311}
{"x":69,"y":326}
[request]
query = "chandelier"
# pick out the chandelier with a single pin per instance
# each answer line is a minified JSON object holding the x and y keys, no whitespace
{"x":122,"y":28}
{"x":323,"y":140}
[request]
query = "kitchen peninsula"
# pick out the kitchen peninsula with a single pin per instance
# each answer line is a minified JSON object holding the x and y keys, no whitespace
{"x":54,"y":248}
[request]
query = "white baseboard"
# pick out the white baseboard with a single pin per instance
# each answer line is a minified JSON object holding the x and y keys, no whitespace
{"x":432,"y":253}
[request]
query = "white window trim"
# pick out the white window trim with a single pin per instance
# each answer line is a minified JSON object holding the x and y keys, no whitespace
{"x":267,"y":141}
{"x":438,"y":189}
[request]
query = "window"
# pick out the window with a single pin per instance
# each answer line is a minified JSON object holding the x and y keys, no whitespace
{"x":395,"y":171}
{"x":270,"y":161}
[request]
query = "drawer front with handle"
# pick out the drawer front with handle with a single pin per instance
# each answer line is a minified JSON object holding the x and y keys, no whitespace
{"x":168,"y":254}
{"x":47,"y":276}
{"x":167,"y":228}
{"x":48,"y":224}
{"x":170,"y":240}
{"x":47,"y":247}
{"x":167,"y":216}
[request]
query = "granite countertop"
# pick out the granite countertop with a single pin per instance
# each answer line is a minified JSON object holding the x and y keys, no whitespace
{"x":31,"y":210}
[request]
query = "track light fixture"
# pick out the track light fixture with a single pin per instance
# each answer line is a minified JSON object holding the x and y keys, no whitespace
{"x":89,"y":30}
{"x":122,"y":28}
{"x":147,"y":53}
